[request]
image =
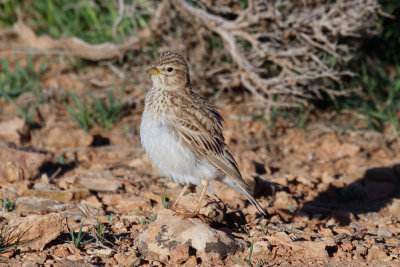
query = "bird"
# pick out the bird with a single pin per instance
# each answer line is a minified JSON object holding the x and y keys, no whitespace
{"x":182,"y":133}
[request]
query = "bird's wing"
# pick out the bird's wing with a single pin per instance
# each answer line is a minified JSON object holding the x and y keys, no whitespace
{"x":199,"y":126}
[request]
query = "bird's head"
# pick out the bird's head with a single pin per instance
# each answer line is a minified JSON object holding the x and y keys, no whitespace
{"x":169,"y":71}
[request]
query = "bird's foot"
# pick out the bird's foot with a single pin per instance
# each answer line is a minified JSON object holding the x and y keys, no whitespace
{"x":195,"y":214}
{"x":186,"y":214}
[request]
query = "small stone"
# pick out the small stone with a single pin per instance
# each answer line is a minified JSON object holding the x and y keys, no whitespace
{"x":347,"y":247}
{"x":125,"y":203}
{"x":329,"y":241}
{"x":375,"y":253}
{"x":261,"y":246}
{"x":61,"y":251}
{"x":325,"y":231}
{"x":393,"y":241}
{"x":283,"y":200}
{"x":180,"y":253}
{"x":310,"y":249}
{"x":13,"y":130}
{"x":360,"y":249}
{"x":16,"y":165}
{"x":192,"y":261}
{"x":384,"y":233}
{"x":35,"y":231}
{"x":64,"y":135}
{"x":92,"y":201}
{"x":348,"y":149}
{"x":394,"y":208}
{"x":34,"y":205}
{"x":99,"y":184}
{"x":105,"y":252}
{"x":125,"y":259}
{"x":63,"y":196}
{"x":75,"y":258}
{"x":342,"y":230}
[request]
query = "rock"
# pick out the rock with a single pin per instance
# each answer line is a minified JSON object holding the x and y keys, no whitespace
{"x":213,"y":208}
{"x":34,"y":205}
{"x":16,"y":165}
{"x":375,"y":253}
{"x":92,"y":201}
{"x":64,"y":135}
{"x":283,"y":200}
{"x":347,"y":247}
{"x":61,"y":251}
{"x":13,"y":130}
{"x":348,"y":149}
{"x":125,"y":203}
{"x":99,"y":184}
{"x":180,"y":253}
{"x":384,"y":233}
{"x":168,"y":231}
{"x":125,"y":259}
{"x":60,"y":195}
{"x":394,"y":208}
{"x":35,"y":231}
{"x":360,"y":249}
{"x":103,"y":252}
{"x":261,"y":246}
{"x":315,"y":250}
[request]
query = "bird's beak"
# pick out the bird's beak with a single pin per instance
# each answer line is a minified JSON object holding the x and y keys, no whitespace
{"x":153,"y":71}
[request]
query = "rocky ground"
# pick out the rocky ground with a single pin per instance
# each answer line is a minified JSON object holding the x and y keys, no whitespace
{"x":73,"y":197}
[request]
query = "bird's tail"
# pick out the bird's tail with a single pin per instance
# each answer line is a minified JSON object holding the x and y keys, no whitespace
{"x":243,"y":188}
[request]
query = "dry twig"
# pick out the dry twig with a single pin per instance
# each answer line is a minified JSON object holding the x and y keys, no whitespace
{"x":301,"y":41}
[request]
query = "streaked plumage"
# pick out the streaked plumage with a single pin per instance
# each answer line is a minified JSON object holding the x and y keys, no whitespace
{"x":182,"y":132}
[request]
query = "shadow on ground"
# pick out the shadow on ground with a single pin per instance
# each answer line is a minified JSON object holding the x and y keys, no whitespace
{"x":369,"y":194}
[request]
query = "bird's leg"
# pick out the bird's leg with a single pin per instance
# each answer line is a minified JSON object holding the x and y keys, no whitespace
{"x":199,"y":205}
{"x":174,"y":206}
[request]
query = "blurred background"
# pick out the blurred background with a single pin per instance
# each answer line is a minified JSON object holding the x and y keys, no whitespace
{"x":289,"y":59}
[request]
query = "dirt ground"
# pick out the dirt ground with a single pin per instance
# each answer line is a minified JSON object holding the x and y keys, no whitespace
{"x":332,"y":189}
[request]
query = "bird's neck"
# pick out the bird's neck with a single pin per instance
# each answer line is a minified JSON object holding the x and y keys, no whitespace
{"x":172,"y":88}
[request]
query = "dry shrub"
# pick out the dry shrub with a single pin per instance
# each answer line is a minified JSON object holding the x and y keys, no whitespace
{"x":283,"y":52}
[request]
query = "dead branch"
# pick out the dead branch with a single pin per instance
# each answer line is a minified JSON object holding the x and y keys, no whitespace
{"x":301,"y":41}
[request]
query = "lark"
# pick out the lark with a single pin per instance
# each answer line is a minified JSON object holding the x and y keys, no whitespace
{"x":182,"y":132}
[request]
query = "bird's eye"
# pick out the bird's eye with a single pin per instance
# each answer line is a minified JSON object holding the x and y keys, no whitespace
{"x":170,"y":69}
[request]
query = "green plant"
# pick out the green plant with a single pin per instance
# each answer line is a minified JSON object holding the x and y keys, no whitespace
{"x":248,"y":259}
{"x":77,"y":239}
{"x":144,"y":220}
{"x":7,"y":204}
{"x":96,"y":111}
{"x":9,"y":238}
{"x":303,"y":116}
{"x":14,"y":83}
{"x":94,"y":21}
{"x":382,"y":98}
{"x":110,"y":219}
{"x":22,"y":81}
{"x":99,"y":227}
{"x":377,"y":65}
{"x":80,"y":111}
{"x":137,"y":260}
{"x":109,"y":111}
